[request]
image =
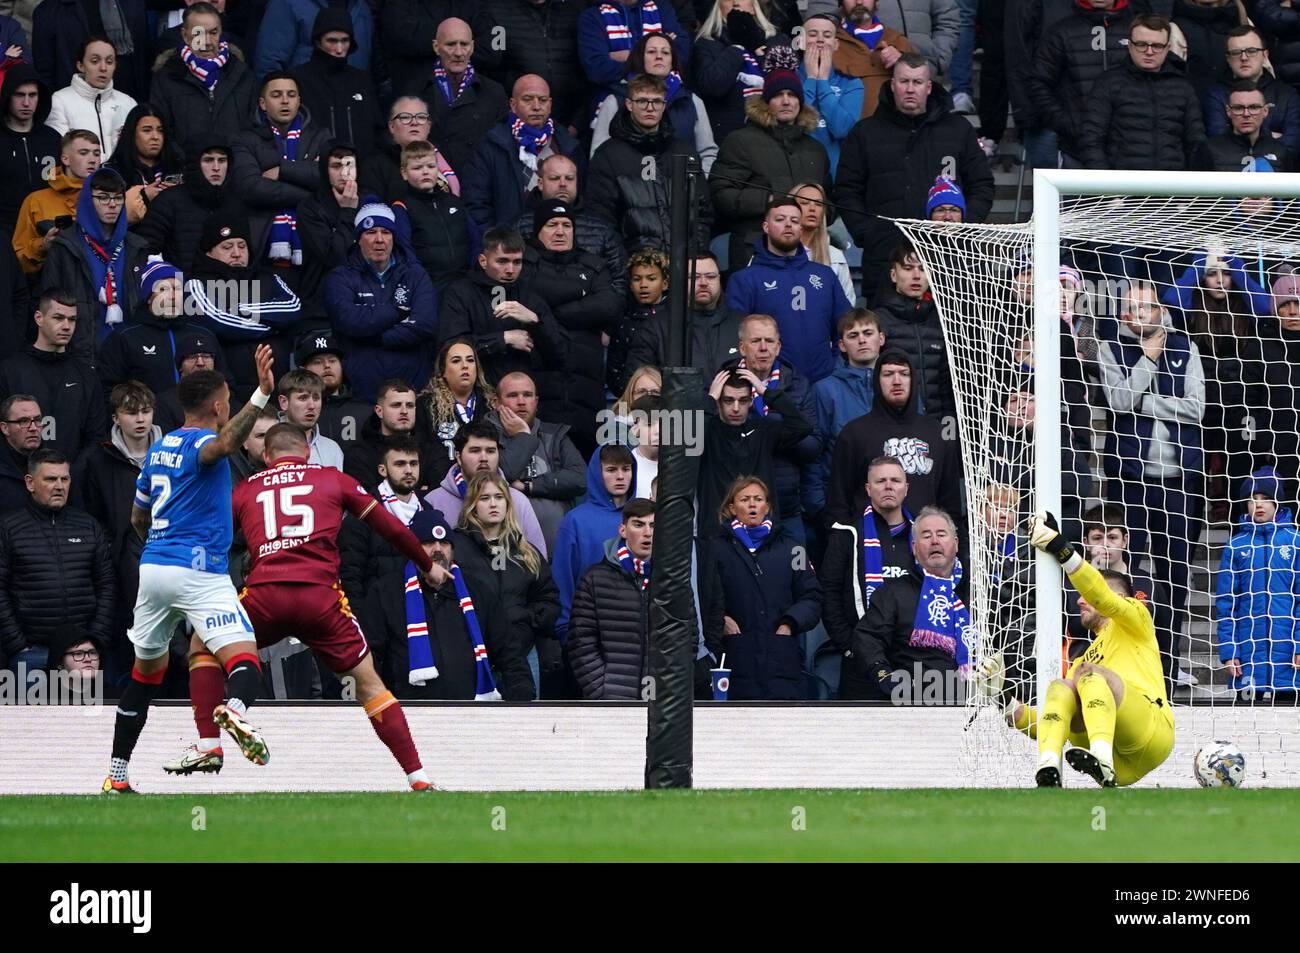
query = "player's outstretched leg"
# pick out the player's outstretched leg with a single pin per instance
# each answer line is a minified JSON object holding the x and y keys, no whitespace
{"x":243,"y":685}
{"x":1099,"y":701}
{"x":132,"y":712}
{"x":207,"y":682}
{"x":389,"y":721}
{"x":1058,"y":711}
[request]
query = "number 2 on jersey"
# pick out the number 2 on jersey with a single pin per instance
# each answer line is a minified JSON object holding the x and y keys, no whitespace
{"x":163,"y":484}
{"x":278,"y":504}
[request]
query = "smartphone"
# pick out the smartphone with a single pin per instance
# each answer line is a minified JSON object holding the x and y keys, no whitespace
{"x":63,"y":221}
{"x":173,"y":179}
{"x":348,"y":168}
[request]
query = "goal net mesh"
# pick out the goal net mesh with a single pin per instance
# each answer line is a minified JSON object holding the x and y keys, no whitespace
{"x":1180,"y":395}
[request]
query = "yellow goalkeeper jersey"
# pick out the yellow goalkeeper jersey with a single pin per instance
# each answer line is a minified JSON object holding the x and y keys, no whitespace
{"x":1126,"y":643}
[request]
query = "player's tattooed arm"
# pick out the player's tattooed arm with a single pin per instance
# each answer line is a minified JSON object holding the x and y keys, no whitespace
{"x":238,"y":427}
{"x":141,"y":520}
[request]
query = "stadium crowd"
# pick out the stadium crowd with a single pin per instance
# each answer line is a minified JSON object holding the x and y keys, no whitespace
{"x":449,"y":219}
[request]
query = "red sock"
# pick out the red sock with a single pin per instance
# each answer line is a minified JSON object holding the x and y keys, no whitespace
{"x":207,"y":685}
{"x":389,"y":723}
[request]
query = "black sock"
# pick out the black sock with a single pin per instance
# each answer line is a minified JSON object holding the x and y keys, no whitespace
{"x":244,"y":682}
{"x":132,"y":712}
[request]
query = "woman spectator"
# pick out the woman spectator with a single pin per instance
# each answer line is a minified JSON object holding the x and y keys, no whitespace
{"x":728,"y":68}
{"x":455,"y":395}
{"x":645,"y":381}
{"x":147,"y":160}
{"x":760,"y":594}
{"x":504,"y":570}
{"x":90,"y":101}
{"x":812,"y":200}
{"x":655,"y":55}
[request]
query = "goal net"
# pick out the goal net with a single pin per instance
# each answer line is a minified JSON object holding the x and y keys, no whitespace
{"x":1130,"y":360}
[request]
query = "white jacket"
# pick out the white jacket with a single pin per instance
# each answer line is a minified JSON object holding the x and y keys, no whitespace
{"x":81,"y":106}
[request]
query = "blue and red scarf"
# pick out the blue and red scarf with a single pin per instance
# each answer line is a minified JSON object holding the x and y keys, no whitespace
{"x":443,"y":78}
{"x":942,"y":621}
{"x":422,"y":665}
{"x":458,"y":478}
{"x":617,"y":30}
{"x":751,"y":537}
{"x":873,"y":557}
{"x":286,"y":244}
{"x":750,"y":77}
{"x":465,"y":411}
{"x":869,"y":36}
{"x":206,"y":71}
{"x":672,"y":85}
{"x":773,"y":382}
{"x":639,"y":568}
{"x":531,"y":140}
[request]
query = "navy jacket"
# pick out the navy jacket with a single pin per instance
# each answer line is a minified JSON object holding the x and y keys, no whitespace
{"x":495,"y":183}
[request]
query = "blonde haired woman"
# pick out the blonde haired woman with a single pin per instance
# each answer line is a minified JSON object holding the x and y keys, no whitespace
{"x":506,"y":573}
{"x":812,"y":200}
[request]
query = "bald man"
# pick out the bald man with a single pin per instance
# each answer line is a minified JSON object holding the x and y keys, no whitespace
{"x":506,"y":164}
{"x":463,"y":103}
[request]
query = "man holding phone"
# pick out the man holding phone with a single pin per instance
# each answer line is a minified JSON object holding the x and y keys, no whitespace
{"x":45,"y":213}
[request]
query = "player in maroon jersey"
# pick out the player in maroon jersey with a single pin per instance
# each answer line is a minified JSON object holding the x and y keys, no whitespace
{"x":290,"y":515}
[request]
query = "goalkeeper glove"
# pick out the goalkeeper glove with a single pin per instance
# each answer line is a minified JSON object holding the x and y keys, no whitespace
{"x":1045,"y":535}
{"x":990,"y":672}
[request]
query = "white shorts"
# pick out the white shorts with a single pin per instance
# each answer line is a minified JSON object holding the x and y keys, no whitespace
{"x":170,"y":594}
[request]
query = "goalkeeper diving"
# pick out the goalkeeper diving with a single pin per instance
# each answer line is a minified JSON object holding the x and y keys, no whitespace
{"x":1111,"y":705}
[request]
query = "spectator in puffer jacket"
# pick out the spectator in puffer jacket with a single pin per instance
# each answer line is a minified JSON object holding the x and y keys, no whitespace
{"x":1245,"y":146}
{"x":726,"y":68}
{"x":628,"y":181}
{"x":910,"y":322}
{"x":65,"y":386}
{"x":60,"y":29}
{"x":854,"y":54}
{"x":648,"y":292}
{"x":1246,"y":55}
{"x":805,"y":298}
{"x":21,"y":422}
{"x":463,"y":104}
{"x":1279,"y":23}
{"x":383,"y":306}
{"x":1143,"y":114}
{"x":243,"y":304}
{"x":759,"y":596}
{"x":285,"y":38}
{"x":1258,"y":594}
{"x":29,"y":149}
{"x":773,"y":152}
{"x":340,"y":97}
{"x":439,"y":229}
{"x":1206,"y":26}
{"x":56,"y":568}
{"x":558,"y":182}
{"x":35,"y":230}
{"x":552,"y":50}
{"x":609,"y":628}
{"x":174,"y":222}
{"x":91,"y":101}
{"x":844,"y":396}
{"x":889,"y":162}
{"x":1071,"y":56}
{"x":203,"y":88}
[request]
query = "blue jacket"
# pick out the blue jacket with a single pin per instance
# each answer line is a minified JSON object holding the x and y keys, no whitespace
{"x":580,"y":542}
{"x":838,"y":101}
{"x":495,"y":185}
{"x":1283,"y":118}
{"x":593,"y":44}
{"x":1181,"y":293}
{"x":380,"y":340}
{"x":284,"y":40}
{"x":805,"y":298}
{"x":1257,"y":601}
{"x":844,"y":396}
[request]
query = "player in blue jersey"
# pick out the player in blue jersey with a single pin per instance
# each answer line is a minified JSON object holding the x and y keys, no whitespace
{"x":182,"y":511}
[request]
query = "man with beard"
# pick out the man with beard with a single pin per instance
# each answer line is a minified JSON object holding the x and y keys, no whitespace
{"x":342,"y":415}
{"x":393,"y":418}
{"x":713,"y":326}
{"x":242,"y":304}
{"x":174,"y":222}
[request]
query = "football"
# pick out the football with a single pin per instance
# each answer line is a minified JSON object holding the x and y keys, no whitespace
{"x":1219,"y":765}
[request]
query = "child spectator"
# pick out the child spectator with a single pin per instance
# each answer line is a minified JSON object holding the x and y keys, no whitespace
{"x":1258,"y":594}
{"x":444,"y":237}
{"x":648,"y":283}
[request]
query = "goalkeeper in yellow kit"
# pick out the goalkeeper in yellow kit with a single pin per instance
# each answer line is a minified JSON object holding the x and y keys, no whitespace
{"x":1111,"y":704}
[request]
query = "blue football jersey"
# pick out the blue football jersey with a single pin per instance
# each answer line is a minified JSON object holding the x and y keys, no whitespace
{"x":190,"y":503}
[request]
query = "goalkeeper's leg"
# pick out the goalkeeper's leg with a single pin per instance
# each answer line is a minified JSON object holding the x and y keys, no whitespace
{"x":1059,"y":710}
{"x":1100,"y":692}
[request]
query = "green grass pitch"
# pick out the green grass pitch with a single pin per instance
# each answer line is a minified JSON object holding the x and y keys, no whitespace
{"x":778,"y":825}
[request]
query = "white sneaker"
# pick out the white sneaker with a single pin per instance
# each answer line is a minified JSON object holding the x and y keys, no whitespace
{"x":963,"y":103}
{"x":1186,"y":679}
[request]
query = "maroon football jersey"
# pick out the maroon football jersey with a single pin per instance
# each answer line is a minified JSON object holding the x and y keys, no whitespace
{"x":290,"y":515}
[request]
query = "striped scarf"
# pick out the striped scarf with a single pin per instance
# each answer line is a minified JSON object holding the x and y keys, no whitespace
{"x":750,"y":77}
{"x":869,"y":36}
{"x":773,"y":382}
{"x":113,"y":266}
{"x":617,"y":30}
{"x":531,"y":140}
{"x":942,"y":621}
{"x":286,"y":244}
{"x":873,"y":558}
{"x":206,"y":71}
{"x":404,"y":511}
{"x":465,"y":411}
{"x":458,"y":478}
{"x":422,"y":665}
{"x":639,"y":568}
{"x":443,"y":79}
{"x":751,"y":536}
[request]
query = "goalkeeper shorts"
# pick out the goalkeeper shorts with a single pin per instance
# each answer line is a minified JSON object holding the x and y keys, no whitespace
{"x":1144,"y":736}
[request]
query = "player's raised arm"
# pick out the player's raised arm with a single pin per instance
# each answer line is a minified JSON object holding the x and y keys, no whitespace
{"x":236,"y":430}
{"x":1045,"y":535}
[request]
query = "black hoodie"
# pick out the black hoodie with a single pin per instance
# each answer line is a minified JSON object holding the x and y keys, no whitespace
{"x":27,"y":159}
{"x":67,"y":390}
{"x":175,"y":219}
{"x":931,"y":462}
{"x":340,"y":98}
